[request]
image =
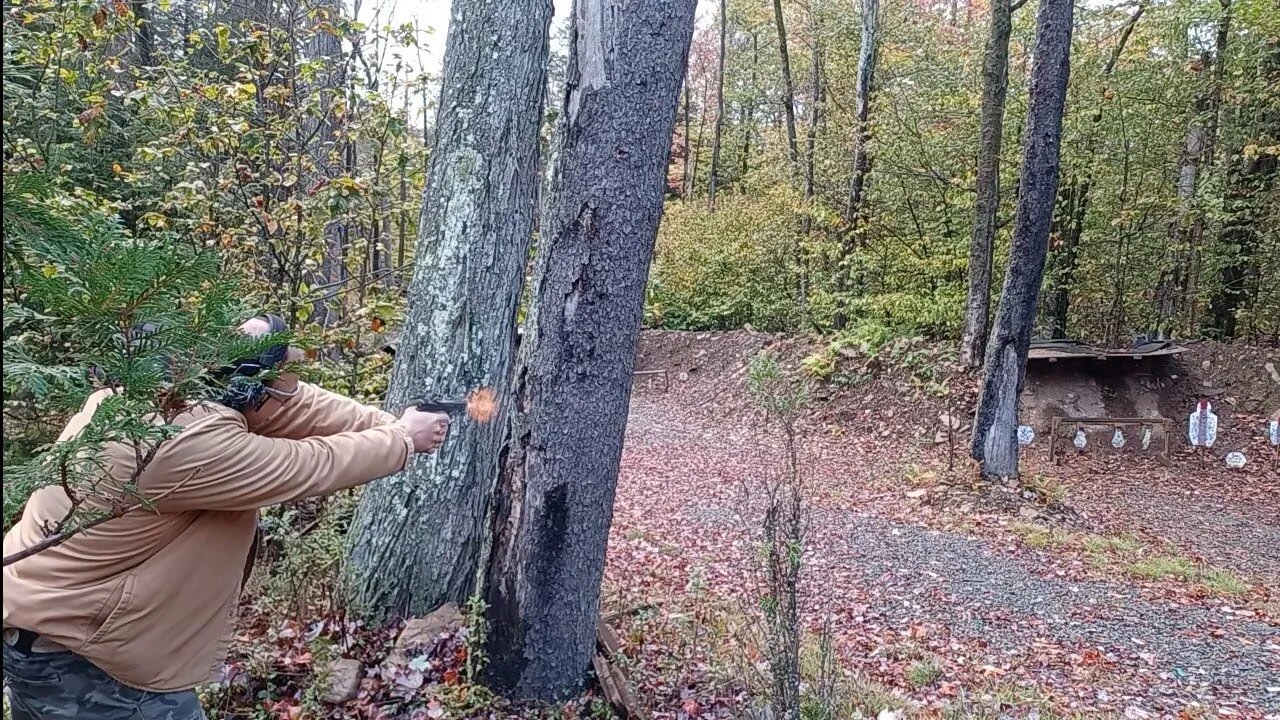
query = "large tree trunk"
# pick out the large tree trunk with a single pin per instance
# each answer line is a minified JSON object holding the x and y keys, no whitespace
{"x":995,"y":442}
{"x":1073,"y":203}
{"x":855,"y":210}
{"x":419,"y":537}
{"x":995,"y":85}
{"x":573,"y":384}
{"x":788,"y":87}
{"x":713,"y":181}
{"x":1251,"y":188}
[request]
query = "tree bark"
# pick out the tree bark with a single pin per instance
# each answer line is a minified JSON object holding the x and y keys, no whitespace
{"x":995,"y":85}
{"x":419,"y":537}
{"x":1073,"y":203}
{"x":573,"y":384}
{"x":854,"y":210}
{"x":995,"y":442}
{"x":713,"y":180}
{"x":788,"y":87}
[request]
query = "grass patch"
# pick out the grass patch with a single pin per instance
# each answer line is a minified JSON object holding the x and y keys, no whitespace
{"x":1050,"y":491}
{"x":1223,"y":581}
{"x":1120,"y":544}
{"x":1040,"y":537}
{"x":922,"y":673}
{"x":1163,"y":567}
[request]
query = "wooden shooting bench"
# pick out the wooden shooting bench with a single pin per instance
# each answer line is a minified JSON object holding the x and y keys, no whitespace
{"x":666,"y":381}
{"x":1058,"y":420}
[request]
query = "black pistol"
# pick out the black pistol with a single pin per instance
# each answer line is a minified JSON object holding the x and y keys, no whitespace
{"x":449,"y":407}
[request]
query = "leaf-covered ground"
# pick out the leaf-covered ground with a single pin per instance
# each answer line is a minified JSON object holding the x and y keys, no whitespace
{"x":1111,"y":585}
{"x":1119,"y":586}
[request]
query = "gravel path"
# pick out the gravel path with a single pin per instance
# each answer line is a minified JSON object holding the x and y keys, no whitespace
{"x":681,"y":484}
{"x":975,"y":581}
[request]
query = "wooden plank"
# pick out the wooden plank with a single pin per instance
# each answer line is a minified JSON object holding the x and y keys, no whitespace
{"x":1114,"y":421}
{"x":631,"y":707}
{"x":666,"y":379}
{"x":1092,"y":353}
{"x":607,"y":683}
{"x":608,"y":640}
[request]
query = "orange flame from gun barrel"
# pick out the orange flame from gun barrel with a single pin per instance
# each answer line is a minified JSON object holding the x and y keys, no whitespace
{"x":482,"y":405}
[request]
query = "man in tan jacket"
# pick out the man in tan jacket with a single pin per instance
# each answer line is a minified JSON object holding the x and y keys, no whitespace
{"x":123,"y":620}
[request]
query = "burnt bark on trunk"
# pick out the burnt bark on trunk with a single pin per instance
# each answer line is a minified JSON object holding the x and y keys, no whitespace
{"x":995,"y":86}
{"x":713,"y":181}
{"x":573,"y":384}
{"x":788,"y":87}
{"x":995,"y":442}
{"x":419,"y":537}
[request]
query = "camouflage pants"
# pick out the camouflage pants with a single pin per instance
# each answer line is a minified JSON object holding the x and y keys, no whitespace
{"x":47,"y":685}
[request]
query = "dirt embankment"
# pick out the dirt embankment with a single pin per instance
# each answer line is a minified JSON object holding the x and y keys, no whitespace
{"x":901,"y":390}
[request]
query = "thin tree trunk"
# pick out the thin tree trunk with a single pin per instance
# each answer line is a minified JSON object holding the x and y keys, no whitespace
{"x":749,"y":117}
{"x":788,"y":87}
{"x":811,"y":137}
{"x":697,"y":146}
{"x":1073,"y":202}
{"x":714,"y":179}
{"x":811,"y":141}
{"x":402,"y":213}
{"x":573,"y":384}
{"x":419,"y":537}
{"x":1251,"y":185}
{"x":686,"y":182}
{"x":326,"y":47}
{"x":995,"y":442}
{"x":145,"y":36}
{"x":854,"y":214}
{"x":995,"y":85}
{"x":1172,"y":286}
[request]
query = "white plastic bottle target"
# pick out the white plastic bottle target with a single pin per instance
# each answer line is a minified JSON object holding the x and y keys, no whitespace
{"x":1117,"y":440}
{"x":1080,"y":440}
{"x":1236,"y":460}
{"x":1025,"y":434}
{"x":1273,"y":432}
{"x":1146,"y":438}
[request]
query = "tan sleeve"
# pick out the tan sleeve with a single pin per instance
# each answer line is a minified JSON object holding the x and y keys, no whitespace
{"x":217,"y":464}
{"x":297,"y":410}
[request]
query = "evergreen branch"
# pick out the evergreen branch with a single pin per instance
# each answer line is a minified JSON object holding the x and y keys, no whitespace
{"x":118,"y":510}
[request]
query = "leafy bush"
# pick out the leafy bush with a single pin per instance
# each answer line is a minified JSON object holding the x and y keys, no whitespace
{"x":725,"y":269}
